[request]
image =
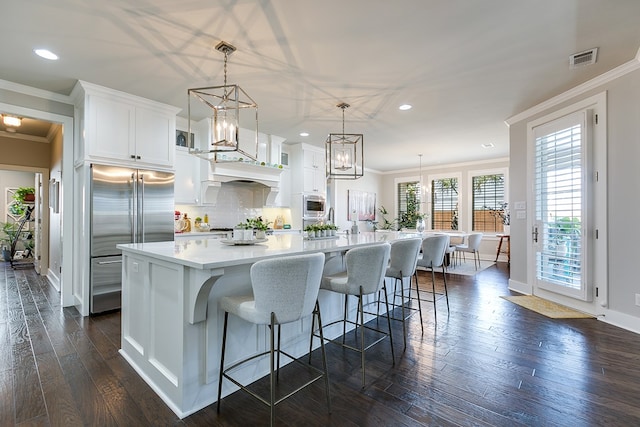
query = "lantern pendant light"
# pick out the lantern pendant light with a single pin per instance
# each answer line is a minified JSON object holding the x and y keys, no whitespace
{"x":229,"y":111}
{"x":344,"y":153}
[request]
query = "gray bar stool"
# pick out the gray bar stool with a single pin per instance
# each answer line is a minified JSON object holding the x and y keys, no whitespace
{"x":433,"y":250}
{"x":284,"y":291}
{"x":403,"y":260}
{"x":366,"y":267}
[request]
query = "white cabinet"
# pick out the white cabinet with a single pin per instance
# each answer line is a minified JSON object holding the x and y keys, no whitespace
{"x":155,"y":137}
{"x":308,"y":169}
{"x":187,"y":177}
{"x":124,"y":129}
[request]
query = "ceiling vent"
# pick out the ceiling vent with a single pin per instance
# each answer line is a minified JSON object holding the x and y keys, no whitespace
{"x":581,"y":59}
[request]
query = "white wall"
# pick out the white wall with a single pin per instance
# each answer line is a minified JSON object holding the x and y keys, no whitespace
{"x":623,"y":181}
{"x":371,"y":182}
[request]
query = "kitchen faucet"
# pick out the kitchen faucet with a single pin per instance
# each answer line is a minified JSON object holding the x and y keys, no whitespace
{"x":331,"y":215}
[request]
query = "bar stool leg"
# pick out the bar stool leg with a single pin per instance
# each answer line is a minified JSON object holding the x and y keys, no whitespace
{"x":224,"y":344}
{"x":404,"y":328}
{"x":324,"y":355}
{"x":433,"y":289}
{"x":361,"y":312}
{"x":272,"y":377}
{"x":415,"y":274}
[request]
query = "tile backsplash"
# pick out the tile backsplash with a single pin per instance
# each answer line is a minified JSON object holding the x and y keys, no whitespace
{"x":235,"y":203}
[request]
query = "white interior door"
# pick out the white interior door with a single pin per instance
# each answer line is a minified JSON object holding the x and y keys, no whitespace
{"x":562,"y":152}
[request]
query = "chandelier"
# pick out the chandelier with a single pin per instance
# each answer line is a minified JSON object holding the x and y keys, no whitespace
{"x":344,"y":153}
{"x":224,"y":109}
{"x":423,"y":191}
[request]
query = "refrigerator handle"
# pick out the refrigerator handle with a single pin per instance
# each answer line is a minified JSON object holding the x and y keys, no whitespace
{"x":141,"y":207}
{"x":134,"y":212}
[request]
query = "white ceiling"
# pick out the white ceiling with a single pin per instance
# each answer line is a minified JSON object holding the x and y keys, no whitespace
{"x":464,"y":65}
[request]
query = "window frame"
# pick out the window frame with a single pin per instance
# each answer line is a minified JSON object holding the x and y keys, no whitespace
{"x":468,"y":216}
{"x":461,"y":199}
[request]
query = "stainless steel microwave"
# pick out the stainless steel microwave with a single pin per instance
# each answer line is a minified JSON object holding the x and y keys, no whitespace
{"x":313,"y":206}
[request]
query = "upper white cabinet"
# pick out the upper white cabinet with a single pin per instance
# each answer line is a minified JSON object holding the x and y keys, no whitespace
{"x":308,"y":169}
{"x":187,"y":177}
{"x":124,"y":129}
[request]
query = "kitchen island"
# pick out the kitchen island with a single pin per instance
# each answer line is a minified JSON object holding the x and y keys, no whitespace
{"x":171,"y":324}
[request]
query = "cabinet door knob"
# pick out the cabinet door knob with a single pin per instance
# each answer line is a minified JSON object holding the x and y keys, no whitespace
{"x":133,"y":157}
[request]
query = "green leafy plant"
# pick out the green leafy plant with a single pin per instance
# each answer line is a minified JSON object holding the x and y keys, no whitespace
{"x":258,"y":224}
{"x":23,"y":194}
{"x":20,"y":197}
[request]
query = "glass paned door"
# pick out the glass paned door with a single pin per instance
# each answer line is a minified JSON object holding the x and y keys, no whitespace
{"x":560,"y":185}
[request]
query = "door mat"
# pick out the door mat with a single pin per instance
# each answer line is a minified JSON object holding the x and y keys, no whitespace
{"x":547,"y":308}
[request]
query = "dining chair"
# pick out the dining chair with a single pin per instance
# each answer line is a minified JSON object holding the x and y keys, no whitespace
{"x":285,"y":290}
{"x":472,"y":246}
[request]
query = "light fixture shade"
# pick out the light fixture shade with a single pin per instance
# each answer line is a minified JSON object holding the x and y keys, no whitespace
{"x":344,"y":153}
{"x":230,"y":113}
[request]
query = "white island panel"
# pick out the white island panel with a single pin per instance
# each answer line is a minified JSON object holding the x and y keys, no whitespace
{"x":171,"y":324}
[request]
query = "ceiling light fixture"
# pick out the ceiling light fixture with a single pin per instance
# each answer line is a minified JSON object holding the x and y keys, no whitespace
{"x":304,"y":133}
{"x":11,"y":121}
{"x":405,"y":107}
{"x":46,"y":54}
{"x":344,"y":152}
{"x":227,"y":107}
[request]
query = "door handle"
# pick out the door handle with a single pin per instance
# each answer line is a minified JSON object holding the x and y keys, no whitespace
{"x":534,"y":234}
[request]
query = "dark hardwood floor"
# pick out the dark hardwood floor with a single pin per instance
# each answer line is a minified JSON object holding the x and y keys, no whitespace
{"x":489,"y":363}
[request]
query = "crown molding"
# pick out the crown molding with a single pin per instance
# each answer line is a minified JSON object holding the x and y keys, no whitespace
{"x":604,"y":78}
{"x":32,"y":91}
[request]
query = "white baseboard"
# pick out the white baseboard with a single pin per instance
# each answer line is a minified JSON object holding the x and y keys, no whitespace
{"x":54,"y":279}
{"x":621,"y":320}
{"x":520,"y":287}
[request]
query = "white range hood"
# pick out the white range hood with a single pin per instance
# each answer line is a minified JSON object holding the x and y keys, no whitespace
{"x":240,"y":172}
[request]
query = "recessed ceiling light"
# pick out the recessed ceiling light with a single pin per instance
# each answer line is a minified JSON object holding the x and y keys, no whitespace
{"x":405,"y":107}
{"x":304,"y":133}
{"x":488,"y":145}
{"x":11,"y":121}
{"x":46,"y":54}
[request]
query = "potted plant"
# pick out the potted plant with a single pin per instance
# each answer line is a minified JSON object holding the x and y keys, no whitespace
{"x":311,"y":231}
{"x":25,"y":194}
{"x":9,"y":231}
{"x":260,"y":226}
{"x":21,"y":196}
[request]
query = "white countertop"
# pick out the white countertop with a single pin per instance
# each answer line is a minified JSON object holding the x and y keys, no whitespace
{"x":207,"y":253}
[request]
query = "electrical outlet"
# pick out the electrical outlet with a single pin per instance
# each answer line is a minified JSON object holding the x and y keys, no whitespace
{"x":638,"y":299}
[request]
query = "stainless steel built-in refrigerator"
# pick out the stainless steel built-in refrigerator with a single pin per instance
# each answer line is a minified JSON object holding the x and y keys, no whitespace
{"x":127,"y":206}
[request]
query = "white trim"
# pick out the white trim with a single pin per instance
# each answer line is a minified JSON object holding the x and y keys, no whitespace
{"x":599,"y":278}
{"x":621,"y":320}
{"x":504,"y":170}
{"x":461,"y":199}
{"x":397,"y":181}
{"x":35,"y":92}
{"x":520,"y":287}
{"x":67,"y":123}
{"x":585,"y":87}
{"x":447,"y":166}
